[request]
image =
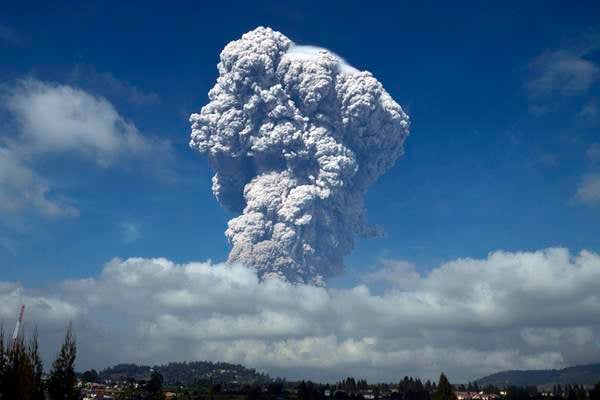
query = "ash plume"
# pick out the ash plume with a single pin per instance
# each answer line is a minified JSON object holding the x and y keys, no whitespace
{"x":295,"y":136}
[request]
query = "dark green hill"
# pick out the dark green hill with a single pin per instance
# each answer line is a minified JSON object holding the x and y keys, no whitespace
{"x":187,"y":373}
{"x":581,"y":375}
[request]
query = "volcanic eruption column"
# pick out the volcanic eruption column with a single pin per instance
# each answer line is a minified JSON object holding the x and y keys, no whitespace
{"x":295,"y":136}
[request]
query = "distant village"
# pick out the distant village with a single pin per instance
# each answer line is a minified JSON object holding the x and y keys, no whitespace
{"x":23,"y":377}
{"x":239,"y":388}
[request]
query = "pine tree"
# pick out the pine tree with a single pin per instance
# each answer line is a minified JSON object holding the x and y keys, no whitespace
{"x":17,"y":382}
{"x":595,"y":392}
{"x":3,"y":356}
{"x":37,"y":367}
{"x":428,"y":387}
{"x":2,"y":359}
{"x":444,"y":389}
{"x":154,"y":385}
{"x":62,"y":384}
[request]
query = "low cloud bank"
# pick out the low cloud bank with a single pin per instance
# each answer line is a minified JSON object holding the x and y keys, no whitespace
{"x":467,"y":317}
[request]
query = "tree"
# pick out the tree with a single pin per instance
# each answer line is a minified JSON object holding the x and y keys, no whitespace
{"x":90,"y":376}
{"x":37,"y":367}
{"x":62,"y":384}
{"x":154,"y":385}
{"x":595,"y":392}
{"x":21,"y":369}
{"x":444,"y":389}
{"x":253,"y":393}
{"x":2,"y":359}
{"x":517,"y":393}
{"x":18,"y":379}
{"x":303,"y":391}
{"x":275,"y":388}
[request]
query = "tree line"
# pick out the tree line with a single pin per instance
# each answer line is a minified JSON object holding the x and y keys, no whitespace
{"x":22,"y":370}
{"x":351,"y":389}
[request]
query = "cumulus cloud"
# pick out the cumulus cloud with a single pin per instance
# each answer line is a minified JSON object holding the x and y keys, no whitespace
{"x":589,"y":190}
{"x":400,"y":274}
{"x":54,"y":118}
{"x":49,"y":311}
{"x":468,"y":317}
{"x":59,"y":120}
{"x":561,"y":72}
{"x":295,"y":136}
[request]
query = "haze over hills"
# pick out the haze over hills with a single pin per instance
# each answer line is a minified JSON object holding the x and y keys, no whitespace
{"x":581,"y":374}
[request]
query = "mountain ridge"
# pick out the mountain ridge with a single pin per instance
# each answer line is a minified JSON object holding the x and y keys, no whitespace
{"x":587,"y":374}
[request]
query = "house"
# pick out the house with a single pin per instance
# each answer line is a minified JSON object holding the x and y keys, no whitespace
{"x":466,"y":395}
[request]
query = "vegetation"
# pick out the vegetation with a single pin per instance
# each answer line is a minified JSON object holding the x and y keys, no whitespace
{"x":187,"y":373}
{"x":578,"y":375}
{"x":154,"y":385}
{"x":22,"y":370}
{"x":62,"y":383}
{"x":444,"y":390}
{"x":90,"y":376}
{"x":22,"y":378}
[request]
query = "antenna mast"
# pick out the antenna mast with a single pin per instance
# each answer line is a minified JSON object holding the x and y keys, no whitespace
{"x":19,"y":321}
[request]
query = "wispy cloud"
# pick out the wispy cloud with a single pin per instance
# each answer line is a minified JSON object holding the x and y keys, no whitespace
{"x":561,"y":72}
{"x":593,"y":153}
{"x":60,"y":120}
{"x":550,"y":159}
{"x":588,"y":191}
{"x":8,"y":244}
{"x":54,"y":118}
{"x":130,"y":232}
{"x":590,"y":113}
{"x":9,"y":35}
{"x":105,"y":82}
{"x":22,"y":189}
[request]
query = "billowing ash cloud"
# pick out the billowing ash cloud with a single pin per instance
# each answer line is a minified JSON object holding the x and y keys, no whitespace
{"x":296,"y":136}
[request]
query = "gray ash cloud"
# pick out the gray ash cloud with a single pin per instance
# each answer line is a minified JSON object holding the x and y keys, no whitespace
{"x":295,"y":136}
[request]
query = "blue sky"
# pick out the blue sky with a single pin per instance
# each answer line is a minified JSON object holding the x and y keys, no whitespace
{"x":504,"y":149}
{"x":490,"y":164}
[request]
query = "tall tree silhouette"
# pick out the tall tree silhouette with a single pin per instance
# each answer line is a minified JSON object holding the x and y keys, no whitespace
{"x":37,"y":367}
{"x":444,"y":390}
{"x":17,"y":375}
{"x":62,"y":384}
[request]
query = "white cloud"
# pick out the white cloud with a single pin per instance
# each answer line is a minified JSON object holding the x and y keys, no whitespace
{"x":22,"y":189}
{"x":313,"y":52}
{"x":399,"y":273}
{"x":588,"y":191}
{"x":593,"y":152}
{"x":468,"y":317}
{"x":55,"y":118}
{"x":130,"y":232}
{"x":48,"y":311}
{"x":561,"y":72}
{"x":589,"y":113}
{"x":60,"y":120}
